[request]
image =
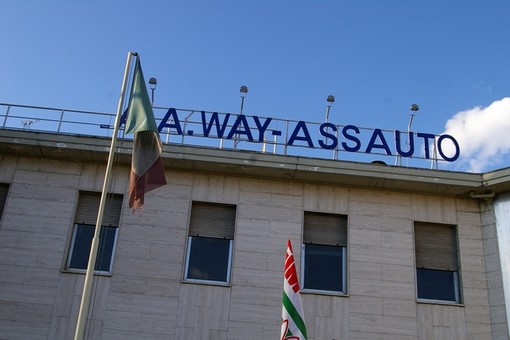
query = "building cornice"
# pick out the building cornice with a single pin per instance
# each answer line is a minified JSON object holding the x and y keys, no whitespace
{"x":259,"y":165}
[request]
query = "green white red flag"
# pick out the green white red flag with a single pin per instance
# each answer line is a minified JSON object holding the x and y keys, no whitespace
{"x":147,"y":172}
{"x":293,"y":319}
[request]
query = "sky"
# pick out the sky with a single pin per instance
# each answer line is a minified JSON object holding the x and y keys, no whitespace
{"x":452,"y":58}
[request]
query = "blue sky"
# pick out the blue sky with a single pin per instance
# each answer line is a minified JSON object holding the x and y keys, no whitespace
{"x":376,"y":57}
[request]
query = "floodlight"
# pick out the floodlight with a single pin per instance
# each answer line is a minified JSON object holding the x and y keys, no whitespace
{"x":152,"y":83}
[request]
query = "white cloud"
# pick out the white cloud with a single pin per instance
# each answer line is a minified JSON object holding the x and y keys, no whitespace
{"x":483,"y":135}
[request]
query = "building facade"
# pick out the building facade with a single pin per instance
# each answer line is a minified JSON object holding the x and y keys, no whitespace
{"x":383,"y":252}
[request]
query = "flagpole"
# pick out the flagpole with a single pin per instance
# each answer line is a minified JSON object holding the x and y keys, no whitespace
{"x":87,"y":286}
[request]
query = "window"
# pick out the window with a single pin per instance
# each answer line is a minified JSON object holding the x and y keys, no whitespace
{"x":324,"y":252}
{"x":4,"y":189}
{"x":209,"y":251}
{"x":83,"y":232}
{"x":437,"y":268}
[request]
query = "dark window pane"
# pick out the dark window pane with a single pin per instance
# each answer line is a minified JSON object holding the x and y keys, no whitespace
{"x":105,"y":251}
{"x":436,"y":284}
{"x":323,"y":267}
{"x":4,"y":188}
{"x":82,"y":243}
{"x":208,"y":259}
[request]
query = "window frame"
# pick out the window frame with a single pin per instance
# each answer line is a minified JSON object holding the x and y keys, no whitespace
{"x":343,"y":292}
{"x":345,"y":227}
{"x":85,"y":214}
{"x":227,"y":281}
{"x":197,"y":230}
{"x":456,"y":291}
{"x":72,"y":244}
{"x":457,"y":283}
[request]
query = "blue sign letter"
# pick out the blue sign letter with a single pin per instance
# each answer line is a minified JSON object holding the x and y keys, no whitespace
{"x":426,"y":137}
{"x":440,"y":149}
{"x":170,"y":114}
{"x":245,"y":131}
{"x":214,"y":120}
{"x":356,"y":141}
{"x":300,"y":125}
{"x":409,"y":152}
{"x":383,"y":145}
{"x":262,"y":127}
{"x":325,"y":133}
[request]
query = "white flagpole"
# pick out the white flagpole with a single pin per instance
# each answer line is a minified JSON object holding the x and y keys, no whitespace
{"x":87,"y":287}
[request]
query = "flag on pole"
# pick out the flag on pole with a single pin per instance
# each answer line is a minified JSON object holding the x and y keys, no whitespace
{"x":81,"y":322}
{"x":147,"y":172}
{"x":293,"y":319}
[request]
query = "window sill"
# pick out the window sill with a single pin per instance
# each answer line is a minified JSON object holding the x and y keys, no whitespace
{"x":324,"y":292}
{"x":83,"y":271}
{"x":207,"y":283}
{"x":440,"y":302}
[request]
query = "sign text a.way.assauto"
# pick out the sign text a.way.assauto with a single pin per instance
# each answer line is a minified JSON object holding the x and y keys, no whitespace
{"x":327,"y":136}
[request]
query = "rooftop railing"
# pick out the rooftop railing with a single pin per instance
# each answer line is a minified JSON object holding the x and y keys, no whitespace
{"x":240,"y":132}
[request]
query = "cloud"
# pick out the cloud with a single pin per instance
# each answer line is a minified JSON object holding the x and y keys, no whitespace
{"x":483,"y":134}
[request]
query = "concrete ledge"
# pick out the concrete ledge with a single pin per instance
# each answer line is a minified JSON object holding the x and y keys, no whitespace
{"x":255,"y":164}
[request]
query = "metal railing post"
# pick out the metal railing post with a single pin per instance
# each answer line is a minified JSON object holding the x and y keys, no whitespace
{"x":60,"y":121}
{"x":6,"y":115}
{"x":286,"y":137}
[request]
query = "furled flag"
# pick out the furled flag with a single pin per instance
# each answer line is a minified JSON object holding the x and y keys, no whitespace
{"x":147,"y":171}
{"x":293,"y":319}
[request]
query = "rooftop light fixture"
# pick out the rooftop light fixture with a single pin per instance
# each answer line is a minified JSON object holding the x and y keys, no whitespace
{"x":330,"y":100}
{"x":244,"y":91}
{"x":152,"y":83}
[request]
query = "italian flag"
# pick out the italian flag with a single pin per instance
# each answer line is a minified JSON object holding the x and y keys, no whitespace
{"x":293,"y":319}
{"x":147,"y":172}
